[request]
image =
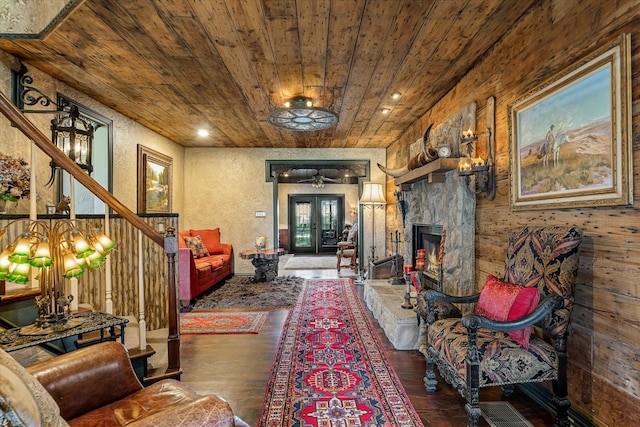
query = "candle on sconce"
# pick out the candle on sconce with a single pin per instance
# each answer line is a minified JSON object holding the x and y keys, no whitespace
{"x":468,"y":134}
{"x":408,"y":269}
{"x":464,"y":164}
{"x":422,"y":253}
{"x":420,"y":264}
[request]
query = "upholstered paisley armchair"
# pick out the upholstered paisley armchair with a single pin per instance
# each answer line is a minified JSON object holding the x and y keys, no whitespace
{"x":494,"y":346}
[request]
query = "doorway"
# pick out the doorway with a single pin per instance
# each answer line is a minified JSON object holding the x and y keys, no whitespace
{"x":315,"y":223}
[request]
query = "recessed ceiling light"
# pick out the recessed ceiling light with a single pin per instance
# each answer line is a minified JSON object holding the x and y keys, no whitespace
{"x":395,"y":95}
{"x":385,"y":111}
{"x":203,"y":132}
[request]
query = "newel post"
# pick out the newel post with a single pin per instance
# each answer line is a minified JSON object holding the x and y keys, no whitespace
{"x":173,"y":341}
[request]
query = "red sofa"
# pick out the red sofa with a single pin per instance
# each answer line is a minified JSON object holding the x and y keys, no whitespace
{"x":201,"y":268}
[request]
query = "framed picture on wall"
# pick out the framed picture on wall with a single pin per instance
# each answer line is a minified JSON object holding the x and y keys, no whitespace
{"x":570,"y":140}
{"x":154,"y":181}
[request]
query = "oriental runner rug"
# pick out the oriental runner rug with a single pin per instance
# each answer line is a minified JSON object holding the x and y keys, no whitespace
{"x":331,"y":369}
{"x":219,"y":322}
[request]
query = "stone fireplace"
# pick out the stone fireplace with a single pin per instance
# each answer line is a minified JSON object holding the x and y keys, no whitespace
{"x":440,"y":218}
{"x":444,"y":208}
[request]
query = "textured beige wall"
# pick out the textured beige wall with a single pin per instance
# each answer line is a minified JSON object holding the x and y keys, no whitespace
{"x":225,"y":186}
{"x":28,"y":16}
{"x":126,"y":135}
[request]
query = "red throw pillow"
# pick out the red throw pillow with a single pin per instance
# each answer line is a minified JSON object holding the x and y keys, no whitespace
{"x":505,"y":301}
{"x":211,"y":239}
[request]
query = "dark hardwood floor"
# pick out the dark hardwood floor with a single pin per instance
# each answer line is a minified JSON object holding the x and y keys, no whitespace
{"x":237,"y":367}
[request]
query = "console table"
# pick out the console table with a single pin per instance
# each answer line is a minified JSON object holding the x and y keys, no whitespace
{"x":12,"y":340}
{"x":265,"y":262}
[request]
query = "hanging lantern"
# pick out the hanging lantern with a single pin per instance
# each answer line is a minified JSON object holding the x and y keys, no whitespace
{"x":74,"y":137}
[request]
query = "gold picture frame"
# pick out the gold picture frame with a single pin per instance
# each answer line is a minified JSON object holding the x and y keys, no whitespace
{"x":570,"y":139}
{"x":154,"y":181}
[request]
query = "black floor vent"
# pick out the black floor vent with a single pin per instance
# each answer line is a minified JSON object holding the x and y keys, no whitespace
{"x":502,"y":414}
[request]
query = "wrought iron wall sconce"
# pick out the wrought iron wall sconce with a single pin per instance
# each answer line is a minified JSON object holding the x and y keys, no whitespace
{"x":403,"y":205}
{"x":72,"y":134}
{"x":483,"y":170}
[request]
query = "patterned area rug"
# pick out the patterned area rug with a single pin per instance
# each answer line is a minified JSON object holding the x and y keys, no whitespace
{"x":242,"y":292}
{"x":331,"y":369}
{"x":208,"y":322}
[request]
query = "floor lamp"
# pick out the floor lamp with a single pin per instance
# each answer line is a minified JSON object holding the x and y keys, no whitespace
{"x":372,"y":197}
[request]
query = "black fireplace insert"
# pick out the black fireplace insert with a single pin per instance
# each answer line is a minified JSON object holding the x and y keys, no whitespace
{"x":429,"y":238}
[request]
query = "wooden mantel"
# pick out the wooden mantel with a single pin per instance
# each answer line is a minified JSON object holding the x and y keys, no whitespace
{"x":433,"y":172}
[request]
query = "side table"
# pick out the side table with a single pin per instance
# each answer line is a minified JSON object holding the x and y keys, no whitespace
{"x":265,"y":262}
{"x":12,"y":340}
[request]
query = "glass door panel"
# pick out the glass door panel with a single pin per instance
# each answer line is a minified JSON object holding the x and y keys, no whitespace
{"x":329,"y":221}
{"x":303,"y":225}
{"x":314,"y":223}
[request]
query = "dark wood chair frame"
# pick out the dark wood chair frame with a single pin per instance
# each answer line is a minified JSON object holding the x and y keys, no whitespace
{"x":470,"y":388}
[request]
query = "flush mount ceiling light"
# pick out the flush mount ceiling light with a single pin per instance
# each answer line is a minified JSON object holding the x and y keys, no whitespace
{"x":299,"y":114}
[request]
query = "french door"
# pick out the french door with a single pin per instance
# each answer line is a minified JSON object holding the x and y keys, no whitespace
{"x":314,"y":222}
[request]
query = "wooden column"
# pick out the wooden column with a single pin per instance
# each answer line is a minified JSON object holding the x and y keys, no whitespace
{"x":173,"y":340}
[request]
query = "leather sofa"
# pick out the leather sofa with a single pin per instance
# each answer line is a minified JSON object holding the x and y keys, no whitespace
{"x":97,"y":386}
{"x":202,"y":268}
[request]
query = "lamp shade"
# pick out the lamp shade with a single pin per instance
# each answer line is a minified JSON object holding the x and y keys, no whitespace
{"x":372,"y":194}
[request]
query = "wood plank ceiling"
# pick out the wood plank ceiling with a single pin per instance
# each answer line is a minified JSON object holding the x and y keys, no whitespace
{"x":176,"y":66}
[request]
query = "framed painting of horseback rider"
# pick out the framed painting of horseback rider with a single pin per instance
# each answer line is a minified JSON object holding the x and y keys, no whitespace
{"x":570,"y":139}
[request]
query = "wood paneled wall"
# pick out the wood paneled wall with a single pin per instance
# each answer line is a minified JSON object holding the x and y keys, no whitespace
{"x":604,"y":370}
{"x":124,"y":270}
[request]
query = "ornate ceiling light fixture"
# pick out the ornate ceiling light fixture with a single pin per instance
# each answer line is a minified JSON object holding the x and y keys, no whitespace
{"x":299,"y":114}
